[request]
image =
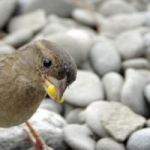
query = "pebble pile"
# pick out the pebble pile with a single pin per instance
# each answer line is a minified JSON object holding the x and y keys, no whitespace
{"x":108,"y":106}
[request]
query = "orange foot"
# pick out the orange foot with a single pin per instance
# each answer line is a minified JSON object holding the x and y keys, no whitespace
{"x":38,"y":142}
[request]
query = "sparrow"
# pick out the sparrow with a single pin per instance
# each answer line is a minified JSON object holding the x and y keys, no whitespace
{"x":25,"y":75}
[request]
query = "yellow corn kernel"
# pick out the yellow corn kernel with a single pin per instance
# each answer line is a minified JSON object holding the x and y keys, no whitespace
{"x":62,"y":100}
{"x":51,"y":89}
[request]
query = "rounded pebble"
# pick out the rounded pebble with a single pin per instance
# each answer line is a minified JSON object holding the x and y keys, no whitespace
{"x":112,"y":83}
{"x":102,"y":53}
{"x":78,"y":137}
{"x":85,"y":90}
{"x":109,"y":144}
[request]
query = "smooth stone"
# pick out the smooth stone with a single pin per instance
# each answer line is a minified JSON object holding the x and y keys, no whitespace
{"x":92,"y":117}
{"x":145,"y":74}
{"x":33,"y":21}
{"x":73,"y":116}
{"x":137,"y":63}
{"x":117,"y":24}
{"x":110,"y":8}
{"x":6,"y":49}
{"x":76,"y":42}
{"x":120,"y":121}
{"x":50,"y":105}
{"x":18,"y":38}
{"x":78,"y":137}
{"x":87,"y":66}
{"x":6,"y":10}
{"x":109,"y":144}
{"x":112,"y":83}
{"x":84,"y":17}
{"x":132,"y":92}
{"x":47,"y":124}
{"x":139,"y":140}
{"x":147,"y":92}
{"x":103,"y":52}
{"x":85,"y":90}
{"x":146,"y":38}
{"x":62,"y":8}
{"x":130,"y":45}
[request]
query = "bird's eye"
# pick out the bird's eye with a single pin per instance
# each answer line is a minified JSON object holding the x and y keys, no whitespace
{"x":47,"y":63}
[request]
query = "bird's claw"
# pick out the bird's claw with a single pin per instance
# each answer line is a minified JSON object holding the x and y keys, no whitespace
{"x":38,"y":142}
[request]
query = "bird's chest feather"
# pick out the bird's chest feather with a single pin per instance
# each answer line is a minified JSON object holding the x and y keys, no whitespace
{"x":19,"y":100}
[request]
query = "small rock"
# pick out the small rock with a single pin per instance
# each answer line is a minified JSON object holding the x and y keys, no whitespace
{"x":109,"y":144}
{"x":138,"y":63}
{"x":62,"y":8}
{"x":130,"y":45}
{"x":18,"y":38}
{"x":47,"y":124}
{"x":102,"y":53}
{"x":6,"y":49}
{"x":76,"y":42}
{"x":78,"y":137}
{"x":120,"y":121}
{"x":50,"y":105}
{"x":112,"y":83}
{"x":119,"y":23}
{"x":145,"y":74}
{"x":73,"y":116}
{"x":133,"y":93}
{"x":114,"y":7}
{"x":6,"y":10}
{"x":85,"y":17}
{"x":147,"y":92}
{"x":85,"y":90}
{"x":140,"y":140}
{"x":33,"y":21}
{"x":92,"y":116}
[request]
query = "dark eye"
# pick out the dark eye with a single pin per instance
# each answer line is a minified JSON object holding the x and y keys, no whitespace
{"x":47,"y":63}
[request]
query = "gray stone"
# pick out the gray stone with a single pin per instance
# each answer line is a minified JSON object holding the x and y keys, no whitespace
{"x":47,"y":124}
{"x":85,"y":17}
{"x":120,"y":23}
{"x":73,"y":116}
{"x":146,"y":38}
{"x":112,"y":83}
{"x":130,"y":45}
{"x":6,"y":49}
{"x":114,"y":7}
{"x":133,"y":92}
{"x":102,"y":53}
{"x":140,"y":140}
{"x":109,"y":144}
{"x":33,"y":21}
{"x":78,"y":137}
{"x":6,"y":10}
{"x":145,"y":74}
{"x":76,"y":42}
{"x":92,"y":117}
{"x":120,"y":121}
{"x":85,"y":90}
{"x":61,"y":8}
{"x":147,"y":92}
{"x":138,"y":63}
{"x":18,"y":38}
{"x":50,"y":105}
{"x":140,"y":5}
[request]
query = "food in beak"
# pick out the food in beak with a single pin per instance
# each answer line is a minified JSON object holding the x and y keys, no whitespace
{"x":52,"y":92}
{"x":55,"y":88}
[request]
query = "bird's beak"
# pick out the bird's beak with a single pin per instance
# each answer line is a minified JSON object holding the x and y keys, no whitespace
{"x":58,"y":90}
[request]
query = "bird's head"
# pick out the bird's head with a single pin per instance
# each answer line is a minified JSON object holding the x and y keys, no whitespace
{"x":53,"y":65}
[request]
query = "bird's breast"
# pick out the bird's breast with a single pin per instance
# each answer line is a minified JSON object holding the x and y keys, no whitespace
{"x":19,"y":102}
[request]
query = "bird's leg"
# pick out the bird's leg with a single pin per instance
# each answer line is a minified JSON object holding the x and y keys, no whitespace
{"x":38,"y":143}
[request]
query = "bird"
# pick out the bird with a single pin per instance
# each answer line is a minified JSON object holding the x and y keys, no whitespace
{"x":25,"y":75}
